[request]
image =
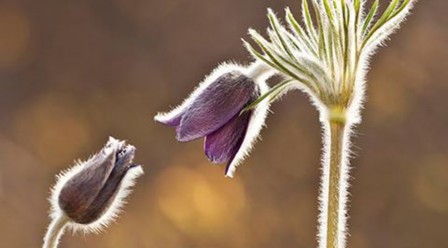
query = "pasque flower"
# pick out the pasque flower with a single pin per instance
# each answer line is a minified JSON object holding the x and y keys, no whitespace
{"x":89,"y":196}
{"x":326,"y":56}
{"x":215,"y":111}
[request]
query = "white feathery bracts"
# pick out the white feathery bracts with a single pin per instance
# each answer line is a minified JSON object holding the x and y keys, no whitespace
{"x":327,"y":56}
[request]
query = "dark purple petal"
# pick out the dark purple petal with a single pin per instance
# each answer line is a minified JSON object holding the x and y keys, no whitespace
{"x":89,"y":193}
{"x":215,"y":106}
{"x":222,"y":145}
{"x":123,"y":164}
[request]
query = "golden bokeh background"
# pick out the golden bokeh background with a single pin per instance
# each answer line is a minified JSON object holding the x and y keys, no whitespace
{"x":74,"y":72}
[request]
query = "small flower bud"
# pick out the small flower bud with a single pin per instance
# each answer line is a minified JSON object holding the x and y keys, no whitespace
{"x":91,"y":193}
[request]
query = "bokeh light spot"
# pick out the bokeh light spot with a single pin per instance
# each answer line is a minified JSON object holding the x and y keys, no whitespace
{"x":431,"y":185}
{"x":198,"y":202}
{"x":51,"y":128}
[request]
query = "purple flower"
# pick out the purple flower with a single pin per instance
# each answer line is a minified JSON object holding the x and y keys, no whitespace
{"x":214,"y":111}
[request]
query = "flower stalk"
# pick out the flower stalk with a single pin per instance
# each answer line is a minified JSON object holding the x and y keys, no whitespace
{"x":55,"y":231}
{"x":334,"y":179}
{"x":333,"y":227}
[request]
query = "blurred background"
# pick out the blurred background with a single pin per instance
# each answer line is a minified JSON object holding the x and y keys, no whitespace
{"x":74,"y":72}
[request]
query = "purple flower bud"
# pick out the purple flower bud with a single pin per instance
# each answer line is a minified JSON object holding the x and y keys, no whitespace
{"x":213,"y":111}
{"x":91,"y":193}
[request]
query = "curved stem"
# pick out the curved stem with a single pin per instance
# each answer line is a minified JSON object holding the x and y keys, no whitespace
{"x":333,"y":198}
{"x":258,"y":69}
{"x":55,"y":231}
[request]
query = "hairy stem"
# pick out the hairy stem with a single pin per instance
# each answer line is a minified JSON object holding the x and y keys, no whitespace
{"x":55,"y":231}
{"x":259,"y":69}
{"x":333,"y":199}
{"x":336,"y":143}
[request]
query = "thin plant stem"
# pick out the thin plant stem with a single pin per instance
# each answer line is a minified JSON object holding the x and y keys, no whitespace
{"x":258,"y":69}
{"x":334,"y":182}
{"x":55,"y":231}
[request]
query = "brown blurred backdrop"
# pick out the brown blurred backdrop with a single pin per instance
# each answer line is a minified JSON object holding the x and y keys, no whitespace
{"x":74,"y":72}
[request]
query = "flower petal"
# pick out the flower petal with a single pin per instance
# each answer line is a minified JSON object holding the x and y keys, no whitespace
{"x":256,"y":123}
{"x":222,"y":145}
{"x":172,"y":121}
{"x":215,"y":106}
{"x":82,"y":188}
{"x":104,"y":199}
{"x":173,"y":117}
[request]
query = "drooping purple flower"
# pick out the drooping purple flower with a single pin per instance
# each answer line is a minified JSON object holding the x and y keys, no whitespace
{"x":214,"y":112}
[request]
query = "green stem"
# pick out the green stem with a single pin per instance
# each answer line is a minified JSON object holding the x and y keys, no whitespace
{"x":336,"y":174}
{"x":336,"y":130}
